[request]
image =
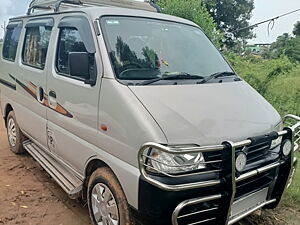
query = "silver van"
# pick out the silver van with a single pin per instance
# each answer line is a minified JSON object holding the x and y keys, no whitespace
{"x":137,"y":113}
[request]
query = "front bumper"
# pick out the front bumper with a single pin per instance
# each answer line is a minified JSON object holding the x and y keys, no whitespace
{"x":222,"y":196}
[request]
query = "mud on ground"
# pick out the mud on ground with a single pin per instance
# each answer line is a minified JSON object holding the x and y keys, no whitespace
{"x":29,"y":196}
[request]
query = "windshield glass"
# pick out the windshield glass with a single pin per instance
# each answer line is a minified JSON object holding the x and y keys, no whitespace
{"x":145,"y":49}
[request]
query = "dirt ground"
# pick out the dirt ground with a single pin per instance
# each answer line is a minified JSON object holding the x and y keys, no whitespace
{"x":28,"y":196}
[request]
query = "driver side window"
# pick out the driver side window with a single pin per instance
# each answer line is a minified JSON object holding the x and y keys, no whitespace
{"x":70,"y":41}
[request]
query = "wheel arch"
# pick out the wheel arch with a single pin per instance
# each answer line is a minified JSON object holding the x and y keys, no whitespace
{"x":92,"y":165}
{"x":7,"y":109}
{"x":127,"y":175}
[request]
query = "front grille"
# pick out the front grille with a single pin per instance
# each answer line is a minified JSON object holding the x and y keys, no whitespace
{"x":216,"y":158}
{"x":202,"y":213}
{"x":254,"y":184}
{"x":256,"y":152}
{"x":210,"y":212}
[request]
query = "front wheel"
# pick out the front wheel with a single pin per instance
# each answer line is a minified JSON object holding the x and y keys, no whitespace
{"x":107,"y":202}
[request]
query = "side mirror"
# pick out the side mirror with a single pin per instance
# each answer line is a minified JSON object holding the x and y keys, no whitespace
{"x":79,"y":66}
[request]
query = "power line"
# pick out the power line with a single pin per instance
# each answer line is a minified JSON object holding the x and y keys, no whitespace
{"x":272,"y":20}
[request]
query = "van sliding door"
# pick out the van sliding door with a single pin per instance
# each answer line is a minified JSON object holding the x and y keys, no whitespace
{"x":30,"y":78}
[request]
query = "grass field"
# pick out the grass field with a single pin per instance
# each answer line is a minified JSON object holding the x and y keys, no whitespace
{"x":278,"y":80}
{"x":293,"y":193}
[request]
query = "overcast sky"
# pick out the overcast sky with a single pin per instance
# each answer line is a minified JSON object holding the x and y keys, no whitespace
{"x":264,"y":9}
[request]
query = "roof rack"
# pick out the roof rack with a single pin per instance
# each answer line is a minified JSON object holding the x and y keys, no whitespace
{"x":148,"y":5}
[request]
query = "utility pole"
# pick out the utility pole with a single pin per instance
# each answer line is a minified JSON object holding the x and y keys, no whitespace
{"x":3,"y":27}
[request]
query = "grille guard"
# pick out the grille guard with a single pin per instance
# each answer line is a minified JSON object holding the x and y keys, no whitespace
{"x":228,"y":175}
{"x":294,"y":123}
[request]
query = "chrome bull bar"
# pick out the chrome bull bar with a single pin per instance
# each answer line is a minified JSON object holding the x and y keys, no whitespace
{"x":291,"y":132}
{"x":142,"y":156}
{"x":289,"y":120}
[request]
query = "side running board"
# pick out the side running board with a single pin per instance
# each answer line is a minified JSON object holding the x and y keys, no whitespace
{"x":69,"y":182}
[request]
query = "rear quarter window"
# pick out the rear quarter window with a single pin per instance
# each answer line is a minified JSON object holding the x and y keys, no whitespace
{"x":11,"y":41}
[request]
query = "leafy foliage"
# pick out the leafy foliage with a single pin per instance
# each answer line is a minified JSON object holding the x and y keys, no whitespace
{"x":293,"y":50}
{"x":296,"y":30}
{"x":231,"y":15}
{"x":285,"y":45}
{"x":280,"y":45}
{"x":195,"y":11}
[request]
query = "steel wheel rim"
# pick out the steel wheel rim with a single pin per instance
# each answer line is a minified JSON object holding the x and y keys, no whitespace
{"x":104,"y":205}
{"x":12,"y":132}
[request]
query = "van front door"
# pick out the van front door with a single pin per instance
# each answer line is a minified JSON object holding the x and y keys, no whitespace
{"x":30,"y":77}
{"x":72,"y":115}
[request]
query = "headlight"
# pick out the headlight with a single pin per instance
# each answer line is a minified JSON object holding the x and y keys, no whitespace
{"x":287,"y":147}
{"x":174,"y":163}
{"x":277,"y":141}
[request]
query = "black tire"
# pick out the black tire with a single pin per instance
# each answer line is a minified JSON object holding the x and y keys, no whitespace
{"x":104,"y":176}
{"x":17,"y":145}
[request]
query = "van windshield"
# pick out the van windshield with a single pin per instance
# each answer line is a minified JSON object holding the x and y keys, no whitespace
{"x":144,"y":49}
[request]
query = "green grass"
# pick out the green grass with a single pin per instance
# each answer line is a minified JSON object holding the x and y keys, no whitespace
{"x":293,"y":193}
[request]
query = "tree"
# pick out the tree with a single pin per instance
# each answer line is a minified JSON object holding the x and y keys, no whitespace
{"x":296,"y":31}
{"x":279,"y":47}
{"x":195,"y":11}
{"x":293,"y":49}
{"x":286,"y":45}
{"x":230,"y":16}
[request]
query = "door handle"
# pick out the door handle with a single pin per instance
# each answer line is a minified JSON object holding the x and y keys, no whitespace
{"x":52,"y":94}
{"x":40,"y":96}
{"x":52,"y":99}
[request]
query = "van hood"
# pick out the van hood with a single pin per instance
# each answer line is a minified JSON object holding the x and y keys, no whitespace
{"x":208,"y":114}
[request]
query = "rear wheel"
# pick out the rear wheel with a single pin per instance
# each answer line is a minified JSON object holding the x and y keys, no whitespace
{"x":106,"y":200}
{"x":15,"y":135}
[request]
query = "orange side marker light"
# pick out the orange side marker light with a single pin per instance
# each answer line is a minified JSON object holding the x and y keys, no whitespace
{"x":104,"y":127}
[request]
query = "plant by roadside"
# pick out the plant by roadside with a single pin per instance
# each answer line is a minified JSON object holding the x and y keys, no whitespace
{"x":293,"y":193}
{"x":278,"y":80}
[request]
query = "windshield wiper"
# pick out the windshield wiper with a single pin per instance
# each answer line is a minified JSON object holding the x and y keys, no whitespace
{"x":176,"y":76}
{"x":217,"y":75}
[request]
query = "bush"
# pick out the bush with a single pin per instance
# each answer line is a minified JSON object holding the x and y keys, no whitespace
{"x":278,"y":80}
